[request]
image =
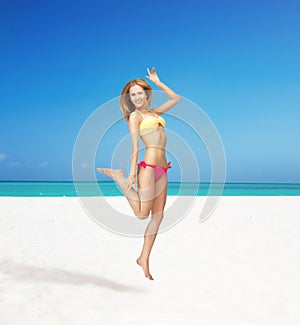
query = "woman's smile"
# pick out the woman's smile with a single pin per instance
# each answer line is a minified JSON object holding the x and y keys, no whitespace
{"x":139,"y":101}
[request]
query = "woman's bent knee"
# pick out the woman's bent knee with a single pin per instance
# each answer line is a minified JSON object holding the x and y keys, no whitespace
{"x":142,"y":214}
{"x":142,"y":217}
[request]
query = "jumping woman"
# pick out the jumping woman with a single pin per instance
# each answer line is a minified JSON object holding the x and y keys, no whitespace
{"x":148,"y":125}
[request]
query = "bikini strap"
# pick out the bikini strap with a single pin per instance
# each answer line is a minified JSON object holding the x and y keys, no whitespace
{"x":140,"y":113}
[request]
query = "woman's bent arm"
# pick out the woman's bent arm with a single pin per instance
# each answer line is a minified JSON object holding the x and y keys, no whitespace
{"x":174,"y":98}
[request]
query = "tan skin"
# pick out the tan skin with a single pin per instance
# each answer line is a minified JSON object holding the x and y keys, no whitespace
{"x":151,"y":195}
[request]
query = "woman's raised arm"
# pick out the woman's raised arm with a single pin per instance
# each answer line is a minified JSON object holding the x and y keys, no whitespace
{"x":174,"y":98}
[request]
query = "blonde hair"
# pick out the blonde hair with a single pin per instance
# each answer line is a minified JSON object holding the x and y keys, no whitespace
{"x":127,"y":106}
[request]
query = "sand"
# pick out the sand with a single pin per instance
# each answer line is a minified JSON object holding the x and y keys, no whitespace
{"x":240,"y":266}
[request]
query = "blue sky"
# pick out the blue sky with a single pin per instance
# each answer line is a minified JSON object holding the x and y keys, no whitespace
{"x":237,"y":60}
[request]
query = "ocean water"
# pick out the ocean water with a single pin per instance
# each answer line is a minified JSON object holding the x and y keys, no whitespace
{"x":52,"y":189}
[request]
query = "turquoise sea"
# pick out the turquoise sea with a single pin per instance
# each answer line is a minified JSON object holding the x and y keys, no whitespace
{"x":46,"y":189}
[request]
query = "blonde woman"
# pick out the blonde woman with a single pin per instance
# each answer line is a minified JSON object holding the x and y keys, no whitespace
{"x":148,"y":125}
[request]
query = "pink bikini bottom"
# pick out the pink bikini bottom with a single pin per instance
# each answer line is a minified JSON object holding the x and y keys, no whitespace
{"x":158,"y":171}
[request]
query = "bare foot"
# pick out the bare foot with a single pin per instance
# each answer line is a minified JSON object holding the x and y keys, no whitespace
{"x":145,"y":266}
{"x":112,"y":173}
{"x":118,"y":176}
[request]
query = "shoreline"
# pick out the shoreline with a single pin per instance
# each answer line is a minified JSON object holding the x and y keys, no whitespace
{"x":106,"y":189}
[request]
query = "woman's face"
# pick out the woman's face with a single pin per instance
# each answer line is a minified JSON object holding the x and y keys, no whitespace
{"x":138,"y":96}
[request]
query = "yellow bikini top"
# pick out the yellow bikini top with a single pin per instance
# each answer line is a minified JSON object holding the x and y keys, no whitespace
{"x":150,"y":122}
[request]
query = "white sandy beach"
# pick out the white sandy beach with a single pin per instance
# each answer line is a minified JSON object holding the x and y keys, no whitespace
{"x":241,"y":266}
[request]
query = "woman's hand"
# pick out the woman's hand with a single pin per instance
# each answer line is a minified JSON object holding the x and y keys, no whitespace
{"x":132,"y":179}
{"x":152,"y":75}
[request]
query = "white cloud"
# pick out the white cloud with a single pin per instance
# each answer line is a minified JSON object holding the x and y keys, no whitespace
{"x":15,"y":164}
{"x":2,"y":156}
{"x":43,"y":164}
{"x":86,"y":165}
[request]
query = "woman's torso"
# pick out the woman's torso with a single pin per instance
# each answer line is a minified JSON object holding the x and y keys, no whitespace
{"x":153,"y":135}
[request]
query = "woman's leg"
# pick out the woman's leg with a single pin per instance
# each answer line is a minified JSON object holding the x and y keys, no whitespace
{"x":153,"y":226}
{"x":141,"y":201}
